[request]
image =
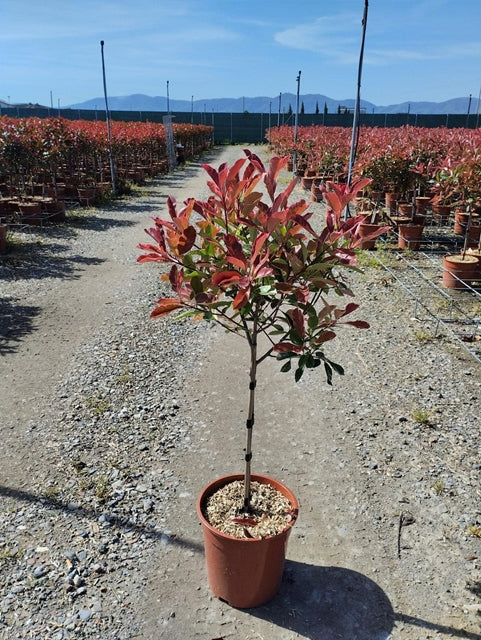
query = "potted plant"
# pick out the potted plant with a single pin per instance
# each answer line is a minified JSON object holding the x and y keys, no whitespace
{"x":254,"y":263}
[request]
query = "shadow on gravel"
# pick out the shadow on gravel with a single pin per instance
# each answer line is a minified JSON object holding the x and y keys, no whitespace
{"x":121,"y":523}
{"x":322,"y":603}
{"x":450,"y":632}
{"x":43,"y":261}
{"x":16,"y":321}
{"x":96,"y":222}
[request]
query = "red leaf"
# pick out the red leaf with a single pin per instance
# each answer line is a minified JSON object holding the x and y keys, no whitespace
{"x":152,"y":257}
{"x":245,"y":521}
{"x":186,"y":240}
{"x":298,"y":321}
{"x":234,"y":248}
{"x":352,"y":306}
{"x":225,"y":278}
{"x":241,"y":299}
{"x":325,"y":337}
{"x":165,"y":306}
{"x":283,"y":347}
{"x":359,"y":324}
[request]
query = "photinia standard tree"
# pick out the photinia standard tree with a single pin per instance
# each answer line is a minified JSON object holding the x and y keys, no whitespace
{"x":250,"y":261}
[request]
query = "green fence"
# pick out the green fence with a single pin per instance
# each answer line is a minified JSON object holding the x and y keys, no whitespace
{"x":237,"y":128}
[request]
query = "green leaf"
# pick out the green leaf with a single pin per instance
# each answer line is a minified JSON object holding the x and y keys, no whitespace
{"x":196,"y":284}
{"x":303,"y":361}
{"x":286,"y":354}
{"x":286,"y":367}
{"x":185,"y":314}
{"x":312,"y":321}
{"x":337,"y":368}
{"x":295,"y":338}
{"x":267,"y":290}
{"x":328,"y":373}
{"x":310,"y":361}
{"x":298,"y":374}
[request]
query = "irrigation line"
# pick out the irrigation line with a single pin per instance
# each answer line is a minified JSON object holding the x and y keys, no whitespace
{"x":444,"y":322}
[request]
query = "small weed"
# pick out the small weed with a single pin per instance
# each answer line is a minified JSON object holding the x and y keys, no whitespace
{"x":10,"y":554}
{"x":475,"y":530}
{"x":52,"y":493}
{"x":423,"y":336}
{"x":422,"y":416}
{"x":103,"y":489}
{"x":366,"y":260}
{"x":438,"y":487}
{"x":97,"y":404}
{"x":126,"y":376}
{"x":78,"y":465}
{"x":83,"y":485}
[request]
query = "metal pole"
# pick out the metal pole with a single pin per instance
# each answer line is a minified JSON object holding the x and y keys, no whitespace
{"x":279,"y":111}
{"x":296,"y":124}
{"x":168,"y":100}
{"x":192,"y":110}
{"x":477,"y":108}
{"x":355,"y":123}
{"x":107,"y":118}
{"x":269,"y":127}
{"x":469,"y":109}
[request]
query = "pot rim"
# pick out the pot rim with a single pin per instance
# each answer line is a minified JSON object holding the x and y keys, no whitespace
{"x":474,"y":258}
{"x":221,"y":481}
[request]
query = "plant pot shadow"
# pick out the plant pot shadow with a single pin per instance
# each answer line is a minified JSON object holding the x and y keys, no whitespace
{"x":323,"y":603}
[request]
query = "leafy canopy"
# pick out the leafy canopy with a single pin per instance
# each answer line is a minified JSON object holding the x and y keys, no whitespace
{"x":251,"y":261}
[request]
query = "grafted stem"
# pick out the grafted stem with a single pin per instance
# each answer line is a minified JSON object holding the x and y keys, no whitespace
{"x":250,"y":413}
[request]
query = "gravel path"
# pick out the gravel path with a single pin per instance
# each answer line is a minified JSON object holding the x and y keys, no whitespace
{"x":111,"y":423}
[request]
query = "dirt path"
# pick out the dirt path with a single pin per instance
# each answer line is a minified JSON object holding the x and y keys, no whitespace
{"x":382,"y":548}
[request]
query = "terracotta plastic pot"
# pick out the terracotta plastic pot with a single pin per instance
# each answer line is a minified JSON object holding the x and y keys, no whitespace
{"x":391,"y":199}
{"x":474,"y":233}
{"x":307,"y":182}
{"x":422,"y":203}
{"x":30,"y":208}
{"x":441,"y":213}
{"x":316,"y":193}
{"x":477,"y":254}
{"x":405,"y":209}
{"x":420,"y":218}
{"x":365,"y":229}
{"x":410,"y":236}
{"x":461,"y":219}
{"x":244,"y":572}
{"x":459,"y":271}
{"x":86,"y":196}
{"x":399,"y":220}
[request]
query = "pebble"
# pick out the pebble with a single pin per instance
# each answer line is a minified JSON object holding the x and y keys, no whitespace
{"x":84,"y":614}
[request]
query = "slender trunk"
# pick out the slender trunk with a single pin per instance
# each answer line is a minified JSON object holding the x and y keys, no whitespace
{"x":250,"y":417}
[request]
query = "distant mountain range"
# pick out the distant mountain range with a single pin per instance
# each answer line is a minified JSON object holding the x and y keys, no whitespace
{"x":141,"y":102}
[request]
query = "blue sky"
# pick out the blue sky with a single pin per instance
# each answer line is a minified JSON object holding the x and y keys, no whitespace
{"x":415,"y":49}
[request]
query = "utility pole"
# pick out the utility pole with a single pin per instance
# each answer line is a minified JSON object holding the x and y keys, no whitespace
{"x":355,"y":123}
{"x":296,"y":124}
{"x":469,"y":109}
{"x":107,"y":118}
